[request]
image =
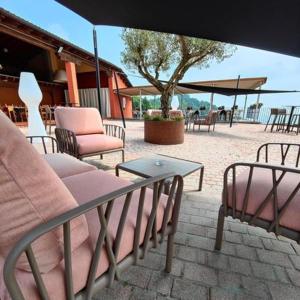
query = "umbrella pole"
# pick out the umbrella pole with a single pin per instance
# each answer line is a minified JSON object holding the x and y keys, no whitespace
{"x":119,"y":98}
{"x":256,"y":107}
{"x":141,"y":113}
{"x":97,"y":69}
{"x":245,"y":106}
{"x":234,"y":102}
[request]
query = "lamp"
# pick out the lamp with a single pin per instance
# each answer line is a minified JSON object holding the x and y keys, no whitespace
{"x":60,"y":76}
{"x":30,"y":93}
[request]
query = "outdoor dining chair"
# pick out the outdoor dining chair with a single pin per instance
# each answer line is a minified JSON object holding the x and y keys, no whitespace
{"x":80,"y":132}
{"x":209,"y":120}
{"x":263,"y":194}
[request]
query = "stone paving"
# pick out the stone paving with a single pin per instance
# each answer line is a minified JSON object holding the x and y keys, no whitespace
{"x":216,"y":150}
{"x":252,"y":264}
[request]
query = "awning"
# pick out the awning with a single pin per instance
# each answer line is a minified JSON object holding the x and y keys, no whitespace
{"x":192,"y":87}
{"x":230,"y":91}
{"x":270,"y":25}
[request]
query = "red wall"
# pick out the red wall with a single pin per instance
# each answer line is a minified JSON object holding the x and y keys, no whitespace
{"x":88,"y":80}
{"x":114,"y":102}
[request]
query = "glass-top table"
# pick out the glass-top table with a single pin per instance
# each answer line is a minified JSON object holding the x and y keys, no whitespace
{"x":158,"y":164}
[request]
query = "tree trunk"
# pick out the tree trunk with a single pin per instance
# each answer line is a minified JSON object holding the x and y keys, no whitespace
{"x":165,"y":103}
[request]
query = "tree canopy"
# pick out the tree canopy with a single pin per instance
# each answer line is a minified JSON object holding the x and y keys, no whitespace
{"x":153,"y":53}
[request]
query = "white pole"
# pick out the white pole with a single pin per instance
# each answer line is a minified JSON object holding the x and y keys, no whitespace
{"x":257,"y":104}
{"x":141,"y":112}
{"x":211,"y":100}
{"x":245,"y":106}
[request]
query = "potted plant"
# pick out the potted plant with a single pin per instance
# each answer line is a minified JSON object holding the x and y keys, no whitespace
{"x":163,"y":131}
{"x":152,"y":53}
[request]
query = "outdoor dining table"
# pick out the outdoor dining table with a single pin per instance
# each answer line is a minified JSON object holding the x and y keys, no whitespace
{"x":159,"y":164}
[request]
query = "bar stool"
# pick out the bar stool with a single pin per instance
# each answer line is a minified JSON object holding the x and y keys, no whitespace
{"x":279,"y":118}
{"x":295,"y":123}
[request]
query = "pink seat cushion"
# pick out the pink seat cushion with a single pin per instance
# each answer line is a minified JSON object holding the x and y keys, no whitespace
{"x":65,"y":165}
{"x":31,"y":194}
{"x":80,"y":120}
{"x":93,"y":143}
{"x":260,"y":187}
{"x":86,"y":187}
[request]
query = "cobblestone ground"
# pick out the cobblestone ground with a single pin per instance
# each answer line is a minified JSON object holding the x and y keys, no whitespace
{"x":252,"y":264}
{"x":216,"y":150}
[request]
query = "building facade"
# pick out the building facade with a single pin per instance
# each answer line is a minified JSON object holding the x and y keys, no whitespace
{"x":65,"y":72}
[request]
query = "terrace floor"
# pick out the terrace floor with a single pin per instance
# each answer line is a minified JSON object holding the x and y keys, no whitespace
{"x":252,"y":264}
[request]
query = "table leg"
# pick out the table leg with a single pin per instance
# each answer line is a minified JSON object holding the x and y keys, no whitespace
{"x":201,"y":178}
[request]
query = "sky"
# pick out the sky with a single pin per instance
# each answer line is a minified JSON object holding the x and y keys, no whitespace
{"x":283,"y":71}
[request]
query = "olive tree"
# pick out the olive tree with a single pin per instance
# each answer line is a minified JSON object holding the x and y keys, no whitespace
{"x":153,"y":53}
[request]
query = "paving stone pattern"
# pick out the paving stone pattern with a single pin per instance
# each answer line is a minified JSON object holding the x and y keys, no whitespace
{"x":252,"y":264}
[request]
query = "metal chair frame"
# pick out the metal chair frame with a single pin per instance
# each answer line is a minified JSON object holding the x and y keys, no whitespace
{"x":271,"y":226}
{"x":44,"y":139}
{"x":104,"y":206}
{"x":67,"y":141}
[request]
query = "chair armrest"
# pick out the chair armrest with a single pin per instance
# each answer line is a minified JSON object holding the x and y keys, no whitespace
{"x":285,"y":149}
{"x":44,"y":140}
{"x":67,"y":142}
{"x":103,"y":205}
{"x":115,"y":131}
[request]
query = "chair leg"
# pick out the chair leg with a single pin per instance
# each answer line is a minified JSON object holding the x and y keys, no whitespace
{"x":123,"y":155}
{"x":274,"y":121}
{"x":170,"y":251}
{"x":268,"y":123}
{"x":101,"y":156}
{"x":220,"y":227}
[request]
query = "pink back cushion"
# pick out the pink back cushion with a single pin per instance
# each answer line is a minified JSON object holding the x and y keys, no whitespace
{"x":80,"y":120}
{"x":31,"y":194}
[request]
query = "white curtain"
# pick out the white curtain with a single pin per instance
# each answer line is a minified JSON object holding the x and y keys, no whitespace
{"x":89,"y":98}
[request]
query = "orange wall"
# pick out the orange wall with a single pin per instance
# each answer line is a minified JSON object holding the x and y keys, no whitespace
{"x":114,"y":102}
{"x":72,"y":83}
{"x":52,"y":95}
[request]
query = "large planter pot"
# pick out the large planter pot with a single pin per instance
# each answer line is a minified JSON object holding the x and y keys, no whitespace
{"x":164,"y":132}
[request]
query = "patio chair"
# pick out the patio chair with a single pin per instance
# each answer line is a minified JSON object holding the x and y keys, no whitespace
{"x":61,"y":237}
{"x":80,"y":133}
{"x":48,"y":117}
{"x":263,"y":194}
{"x":295,"y":123}
{"x":11,"y":112}
{"x":209,"y":121}
{"x":64,"y":165}
{"x":279,"y":116}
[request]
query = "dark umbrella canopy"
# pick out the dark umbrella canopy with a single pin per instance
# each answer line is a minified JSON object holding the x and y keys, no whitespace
{"x":272,"y":25}
{"x":230,"y":91}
